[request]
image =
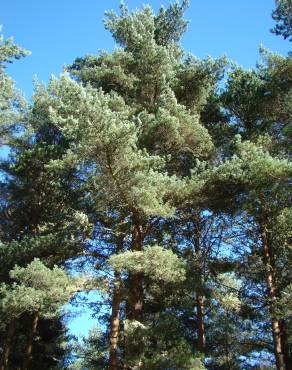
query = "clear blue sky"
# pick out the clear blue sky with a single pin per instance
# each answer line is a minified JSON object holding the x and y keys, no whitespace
{"x":57,"y":31}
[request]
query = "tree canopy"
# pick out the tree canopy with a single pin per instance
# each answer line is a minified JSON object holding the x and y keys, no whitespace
{"x":160,"y":184}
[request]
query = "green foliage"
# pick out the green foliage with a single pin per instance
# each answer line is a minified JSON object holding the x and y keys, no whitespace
{"x":172,"y":129}
{"x":170,"y":24}
{"x":10,"y":51}
{"x":91,"y":352}
{"x":227,"y":293}
{"x":253,"y":166}
{"x":259,"y":100}
{"x":11,"y":101}
{"x":283,"y":17}
{"x":160,"y":346}
{"x":169,"y":184}
{"x":123,"y":175}
{"x":36,"y":288}
{"x":250,"y":178}
{"x":156,"y":262}
{"x":196,"y":80}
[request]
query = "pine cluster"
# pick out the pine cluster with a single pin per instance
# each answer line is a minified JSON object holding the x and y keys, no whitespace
{"x":161,"y":184}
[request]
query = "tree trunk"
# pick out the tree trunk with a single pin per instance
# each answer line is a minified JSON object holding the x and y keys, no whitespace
{"x":115,"y":317}
{"x":200,"y":298}
{"x":7,"y":346}
{"x":201,"y":324}
{"x":29,"y":347}
{"x":135,"y":302}
{"x":276,"y":327}
{"x":285,"y":345}
{"x":115,"y":324}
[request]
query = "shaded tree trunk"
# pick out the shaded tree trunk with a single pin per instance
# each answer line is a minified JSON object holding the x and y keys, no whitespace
{"x":29,"y":347}
{"x":135,"y":301}
{"x":285,"y":345}
{"x":134,"y":304}
{"x":115,"y":317}
{"x":201,"y":324}
{"x":35,"y":218}
{"x":7,"y":346}
{"x":200,"y":309}
{"x":115,"y":324}
{"x":276,"y":327}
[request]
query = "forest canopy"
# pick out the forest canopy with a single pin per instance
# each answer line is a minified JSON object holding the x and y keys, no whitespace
{"x":159,"y":183}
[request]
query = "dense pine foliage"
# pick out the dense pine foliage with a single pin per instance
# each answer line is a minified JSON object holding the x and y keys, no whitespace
{"x":161,"y":184}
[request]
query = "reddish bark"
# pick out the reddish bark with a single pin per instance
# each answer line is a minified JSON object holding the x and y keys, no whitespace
{"x":115,"y":317}
{"x":7,"y":346}
{"x":135,"y":301}
{"x":201,"y":324}
{"x":28,"y":354}
{"x":270,"y":280}
{"x":115,"y":324}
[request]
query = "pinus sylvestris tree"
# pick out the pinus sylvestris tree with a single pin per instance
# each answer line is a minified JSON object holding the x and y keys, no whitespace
{"x":36,"y":219}
{"x":135,"y":132}
{"x":265,"y":197}
{"x":259,"y":103}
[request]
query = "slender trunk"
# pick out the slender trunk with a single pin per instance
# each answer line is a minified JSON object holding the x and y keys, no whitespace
{"x":201,"y":324}
{"x":115,"y":317}
{"x":227,"y":339}
{"x":115,"y":324}
{"x":135,"y":304}
{"x":285,"y":345}
{"x":7,"y":346}
{"x":276,"y":328}
{"x":199,"y":293}
{"x":29,"y":347}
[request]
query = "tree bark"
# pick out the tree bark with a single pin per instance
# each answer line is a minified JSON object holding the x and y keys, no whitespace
{"x":276,"y":327}
{"x":115,"y":317}
{"x":115,"y":324}
{"x":201,"y":324}
{"x":29,"y":347}
{"x":135,"y":302}
{"x":7,"y":346}
{"x":285,"y":345}
{"x":200,"y":309}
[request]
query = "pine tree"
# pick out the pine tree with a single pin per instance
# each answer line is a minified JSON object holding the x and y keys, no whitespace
{"x":12,"y":104}
{"x":36,"y":290}
{"x":157,"y":82}
{"x":36,"y":217}
{"x":143,"y":82}
{"x":266,"y":182}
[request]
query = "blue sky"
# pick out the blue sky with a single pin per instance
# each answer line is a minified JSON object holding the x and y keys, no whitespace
{"x":57,"y":31}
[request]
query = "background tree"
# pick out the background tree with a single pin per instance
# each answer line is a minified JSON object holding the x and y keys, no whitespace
{"x":37,"y":290}
{"x":12,"y":103}
{"x":283,"y":17}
